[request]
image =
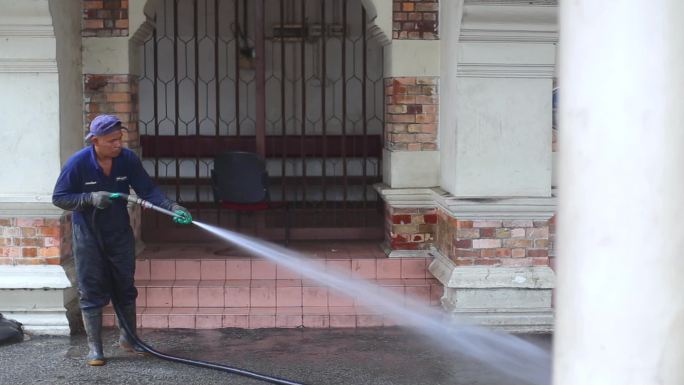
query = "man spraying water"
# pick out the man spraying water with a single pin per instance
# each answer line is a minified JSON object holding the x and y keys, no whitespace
{"x":103,"y":242}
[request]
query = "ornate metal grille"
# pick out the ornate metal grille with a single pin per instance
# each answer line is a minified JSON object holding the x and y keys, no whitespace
{"x":297,"y":81}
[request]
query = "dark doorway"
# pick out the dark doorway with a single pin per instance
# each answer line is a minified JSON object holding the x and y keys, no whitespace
{"x":297,"y":81}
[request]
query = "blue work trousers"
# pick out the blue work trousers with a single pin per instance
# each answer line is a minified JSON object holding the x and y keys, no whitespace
{"x":104,"y":271}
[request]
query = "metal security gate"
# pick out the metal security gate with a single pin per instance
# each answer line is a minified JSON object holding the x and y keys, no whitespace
{"x":297,"y":81}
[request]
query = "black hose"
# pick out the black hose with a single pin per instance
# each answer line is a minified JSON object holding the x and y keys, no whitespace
{"x":201,"y":364}
{"x":168,"y":357}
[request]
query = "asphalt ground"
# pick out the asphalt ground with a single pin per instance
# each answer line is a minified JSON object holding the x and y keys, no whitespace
{"x":389,"y":355}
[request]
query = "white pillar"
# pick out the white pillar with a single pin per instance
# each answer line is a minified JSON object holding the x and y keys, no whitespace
{"x":495,"y":109}
{"x":41,"y":124}
{"x":620,"y":308}
{"x":29,"y":102}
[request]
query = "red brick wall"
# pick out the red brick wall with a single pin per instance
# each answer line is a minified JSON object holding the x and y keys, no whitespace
{"x":411,"y":113}
{"x":410,"y":228}
{"x":113,"y":94}
{"x":35,"y":240}
{"x":494,"y":242}
{"x":104,"y":18}
{"x":415,"y":19}
{"x":552,"y":242}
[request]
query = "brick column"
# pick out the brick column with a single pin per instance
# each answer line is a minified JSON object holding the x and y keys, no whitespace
{"x":412,"y":101}
{"x":105,"y":18}
{"x":109,"y":93}
{"x":416,"y":19}
{"x":410,"y":228}
{"x":411,"y":113}
{"x":116,"y":95}
{"x":493,"y":242}
{"x":411,"y":158}
{"x":35,"y":241}
{"x":109,"y":86}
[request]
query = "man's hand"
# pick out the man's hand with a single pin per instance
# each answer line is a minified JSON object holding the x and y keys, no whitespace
{"x":100,"y":199}
{"x":183,"y":216}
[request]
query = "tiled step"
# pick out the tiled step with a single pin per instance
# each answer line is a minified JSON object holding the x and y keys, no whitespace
{"x":255,"y":318}
{"x":255,"y":268}
{"x":254,"y":293}
{"x":265,"y":304}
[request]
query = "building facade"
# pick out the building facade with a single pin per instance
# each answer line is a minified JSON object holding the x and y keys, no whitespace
{"x":442,"y":112}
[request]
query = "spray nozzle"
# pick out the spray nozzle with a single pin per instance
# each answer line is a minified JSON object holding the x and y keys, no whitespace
{"x":182,"y":217}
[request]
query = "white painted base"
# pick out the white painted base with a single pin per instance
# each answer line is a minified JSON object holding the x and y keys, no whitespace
{"x":408,"y":254}
{"x":38,"y":297}
{"x":412,"y":58}
{"x":404,"y":253}
{"x":514,"y":299}
{"x":410,"y":169}
{"x":48,"y":322}
{"x":529,"y":321}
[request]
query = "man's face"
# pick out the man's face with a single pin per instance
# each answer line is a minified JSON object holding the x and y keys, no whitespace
{"x":109,"y":146}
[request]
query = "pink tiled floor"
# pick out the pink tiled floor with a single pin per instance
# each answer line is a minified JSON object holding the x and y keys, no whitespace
{"x":191,"y":286}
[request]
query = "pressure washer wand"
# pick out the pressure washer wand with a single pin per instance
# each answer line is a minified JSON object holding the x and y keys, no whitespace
{"x":141,"y":202}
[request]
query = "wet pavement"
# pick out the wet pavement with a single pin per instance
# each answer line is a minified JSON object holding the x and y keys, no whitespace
{"x":389,"y":355}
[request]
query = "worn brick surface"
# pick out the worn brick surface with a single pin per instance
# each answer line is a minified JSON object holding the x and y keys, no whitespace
{"x":410,"y":229}
{"x":494,"y":242}
{"x":104,"y":18}
{"x":35,"y":241}
{"x":116,"y":95}
{"x":412,"y":113}
{"x":415,"y":19}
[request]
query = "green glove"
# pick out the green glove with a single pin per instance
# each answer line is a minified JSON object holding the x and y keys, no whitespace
{"x":183,"y":216}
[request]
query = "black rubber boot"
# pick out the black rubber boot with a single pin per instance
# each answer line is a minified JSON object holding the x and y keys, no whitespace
{"x":92,"y":321}
{"x":125,"y":342}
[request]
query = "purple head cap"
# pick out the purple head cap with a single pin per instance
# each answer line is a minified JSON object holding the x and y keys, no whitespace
{"x":103,"y":125}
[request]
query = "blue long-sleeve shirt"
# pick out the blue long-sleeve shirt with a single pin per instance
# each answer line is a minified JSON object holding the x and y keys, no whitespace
{"x":82,"y":175}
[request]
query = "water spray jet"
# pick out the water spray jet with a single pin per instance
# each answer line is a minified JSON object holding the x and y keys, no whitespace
{"x":508,"y":354}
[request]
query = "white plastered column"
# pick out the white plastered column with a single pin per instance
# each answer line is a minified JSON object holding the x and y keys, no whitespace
{"x":620,"y":317}
{"x":495,"y":110}
{"x":41,"y":96}
{"x":41,"y":120}
{"x":29,"y":102}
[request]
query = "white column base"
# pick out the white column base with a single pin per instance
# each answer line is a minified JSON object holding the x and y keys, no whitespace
{"x":410,"y":169}
{"x":45,"y":322}
{"x":513,"y":299}
{"x":38,"y":297}
{"x":528,"y":321}
{"x":406,"y":253}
